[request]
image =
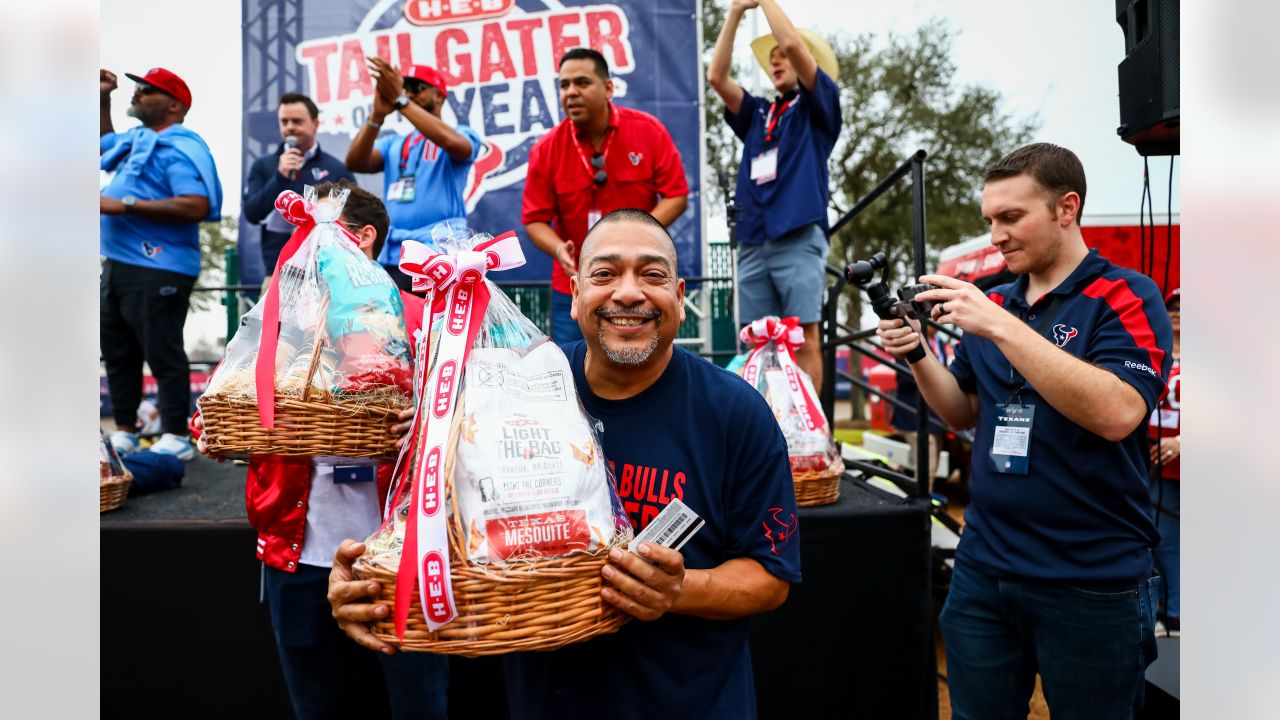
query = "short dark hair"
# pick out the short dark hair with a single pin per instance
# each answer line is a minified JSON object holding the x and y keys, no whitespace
{"x":1054,"y":168}
{"x":627,"y":215}
{"x":585,"y":53}
{"x":290,"y":98}
{"x":362,"y":208}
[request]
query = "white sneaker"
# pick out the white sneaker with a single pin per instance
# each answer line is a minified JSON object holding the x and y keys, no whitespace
{"x":176,"y":445}
{"x":124,"y":443}
{"x":1161,"y":630}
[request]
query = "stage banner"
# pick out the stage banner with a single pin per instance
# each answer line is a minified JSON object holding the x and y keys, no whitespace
{"x":499,"y":58}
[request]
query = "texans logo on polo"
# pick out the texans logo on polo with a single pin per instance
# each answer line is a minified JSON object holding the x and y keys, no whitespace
{"x":459,"y":311}
{"x":437,"y":604}
{"x":1063,"y":334}
{"x":444,"y":389}
{"x":151,"y":250}
{"x":635,"y":157}
{"x":431,"y":484}
{"x":319,"y":173}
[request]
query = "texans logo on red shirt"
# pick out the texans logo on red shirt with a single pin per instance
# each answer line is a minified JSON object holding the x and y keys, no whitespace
{"x":1063,"y":334}
{"x":635,"y":157}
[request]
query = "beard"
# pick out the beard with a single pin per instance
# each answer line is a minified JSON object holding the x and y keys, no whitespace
{"x":628,"y":356}
{"x":145,"y":117}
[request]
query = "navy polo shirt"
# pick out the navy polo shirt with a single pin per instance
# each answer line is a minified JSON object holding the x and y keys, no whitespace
{"x":1083,"y":512}
{"x":805,"y":134}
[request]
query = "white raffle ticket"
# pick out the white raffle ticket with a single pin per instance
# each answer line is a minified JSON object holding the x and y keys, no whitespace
{"x":671,"y":529}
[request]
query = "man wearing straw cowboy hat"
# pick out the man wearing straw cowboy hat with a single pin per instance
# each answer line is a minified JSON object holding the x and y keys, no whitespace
{"x":782,"y":177}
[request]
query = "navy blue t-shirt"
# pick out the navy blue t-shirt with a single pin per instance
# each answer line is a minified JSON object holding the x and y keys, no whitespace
{"x":805,"y":134}
{"x":1083,"y":512}
{"x":701,"y":434}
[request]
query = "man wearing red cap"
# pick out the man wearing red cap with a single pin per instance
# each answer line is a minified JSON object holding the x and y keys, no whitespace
{"x":600,"y":158}
{"x":159,"y":183}
{"x":425,"y":171}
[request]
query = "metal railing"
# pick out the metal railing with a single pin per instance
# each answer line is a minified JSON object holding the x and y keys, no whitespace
{"x":707,"y":329}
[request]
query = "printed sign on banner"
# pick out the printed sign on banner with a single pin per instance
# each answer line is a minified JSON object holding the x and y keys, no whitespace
{"x":499,"y":60}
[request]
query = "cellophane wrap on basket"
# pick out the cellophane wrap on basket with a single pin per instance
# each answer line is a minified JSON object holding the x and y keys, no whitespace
{"x":109,"y":464}
{"x":522,"y":470}
{"x":771,"y":368}
{"x":331,"y":295}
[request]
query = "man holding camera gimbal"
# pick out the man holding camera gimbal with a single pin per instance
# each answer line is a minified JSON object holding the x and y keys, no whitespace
{"x":1058,"y":371}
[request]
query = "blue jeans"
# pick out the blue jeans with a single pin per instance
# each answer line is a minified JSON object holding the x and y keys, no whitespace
{"x":564,"y":328}
{"x":1091,"y":647}
{"x":323,"y":668}
{"x":1168,"y":552}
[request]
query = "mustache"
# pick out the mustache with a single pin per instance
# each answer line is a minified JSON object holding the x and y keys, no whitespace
{"x":624,"y":312}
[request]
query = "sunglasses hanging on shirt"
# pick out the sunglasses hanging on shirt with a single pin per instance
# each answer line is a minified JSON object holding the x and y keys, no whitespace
{"x":597,"y":164}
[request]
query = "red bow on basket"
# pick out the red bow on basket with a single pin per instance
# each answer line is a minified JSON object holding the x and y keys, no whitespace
{"x":458,"y":293}
{"x":298,"y":212}
{"x":786,"y":335}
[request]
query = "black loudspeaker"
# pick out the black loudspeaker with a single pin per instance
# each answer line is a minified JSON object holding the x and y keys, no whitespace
{"x":1149,"y":116}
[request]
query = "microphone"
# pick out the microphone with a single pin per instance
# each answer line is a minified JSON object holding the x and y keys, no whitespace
{"x":291,"y":143}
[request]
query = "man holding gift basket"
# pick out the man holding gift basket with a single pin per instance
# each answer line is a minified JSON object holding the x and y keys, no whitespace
{"x":690,"y":656}
{"x":302,"y":507}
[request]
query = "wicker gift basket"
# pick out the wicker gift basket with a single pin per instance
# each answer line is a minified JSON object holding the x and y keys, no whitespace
{"x":113,"y":477}
{"x":327,"y":344}
{"x":770,"y":367}
{"x":529,"y":512}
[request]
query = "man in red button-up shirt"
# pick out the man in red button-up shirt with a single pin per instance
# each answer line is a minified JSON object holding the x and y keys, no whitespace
{"x":600,"y":158}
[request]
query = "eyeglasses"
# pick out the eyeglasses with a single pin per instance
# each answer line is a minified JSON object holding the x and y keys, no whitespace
{"x":414,"y":86}
{"x":597,"y":163}
{"x":354,"y":228}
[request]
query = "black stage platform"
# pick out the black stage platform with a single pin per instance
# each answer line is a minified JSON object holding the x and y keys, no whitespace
{"x":183,"y":631}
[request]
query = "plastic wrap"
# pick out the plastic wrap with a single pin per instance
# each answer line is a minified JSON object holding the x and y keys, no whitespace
{"x":525,"y":473}
{"x":342,"y":333}
{"x":770,"y":367}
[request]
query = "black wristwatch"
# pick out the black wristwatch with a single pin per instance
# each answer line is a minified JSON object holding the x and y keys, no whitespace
{"x":128,"y":201}
{"x":402,"y":101}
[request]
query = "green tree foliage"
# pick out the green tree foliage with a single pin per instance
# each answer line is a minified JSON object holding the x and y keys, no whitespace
{"x":215,"y":238}
{"x":898,"y":98}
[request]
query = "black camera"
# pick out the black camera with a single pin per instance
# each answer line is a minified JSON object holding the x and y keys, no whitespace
{"x":863,"y":274}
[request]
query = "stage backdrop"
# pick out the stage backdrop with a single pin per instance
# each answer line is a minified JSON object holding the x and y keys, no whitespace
{"x":499,"y":57}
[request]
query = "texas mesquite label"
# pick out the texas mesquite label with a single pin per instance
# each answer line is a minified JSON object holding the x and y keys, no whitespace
{"x":551,"y":533}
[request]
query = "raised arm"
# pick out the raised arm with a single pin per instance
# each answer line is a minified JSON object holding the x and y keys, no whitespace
{"x":722,"y":57}
{"x":390,"y":87}
{"x":791,"y":44}
{"x":106,"y":84}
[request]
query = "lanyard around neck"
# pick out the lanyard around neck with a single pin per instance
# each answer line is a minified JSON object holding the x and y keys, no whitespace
{"x":406,"y":150}
{"x":771,"y":120}
{"x":1016,"y":381}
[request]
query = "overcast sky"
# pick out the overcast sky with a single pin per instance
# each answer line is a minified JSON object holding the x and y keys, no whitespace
{"x":1055,"y":60}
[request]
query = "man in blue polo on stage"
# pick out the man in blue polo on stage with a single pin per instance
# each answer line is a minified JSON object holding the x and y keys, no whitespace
{"x":782,"y":176}
{"x":159,"y":183}
{"x":425,"y":172}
